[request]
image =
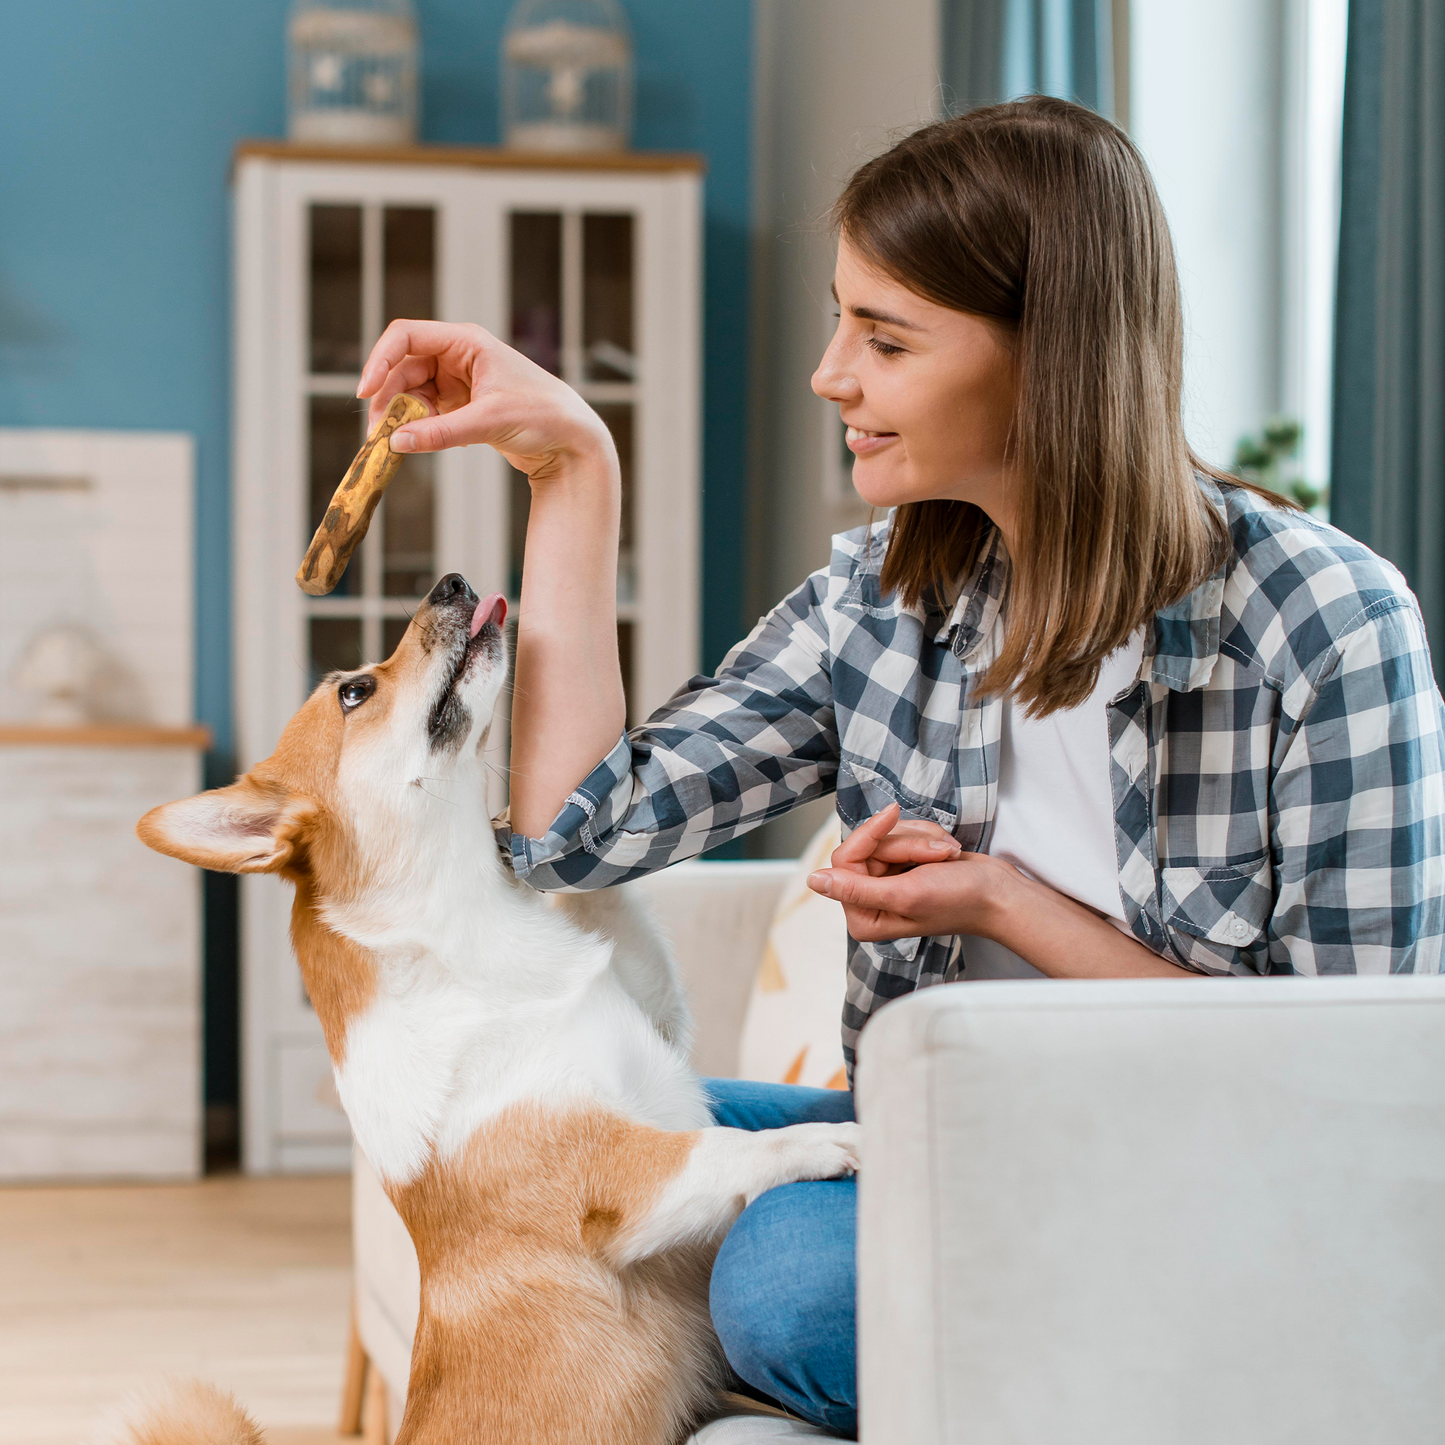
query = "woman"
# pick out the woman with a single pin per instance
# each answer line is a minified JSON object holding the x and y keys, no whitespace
{"x":1089,"y":709}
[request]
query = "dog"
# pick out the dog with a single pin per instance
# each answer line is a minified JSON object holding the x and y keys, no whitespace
{"x":516,"y":1073}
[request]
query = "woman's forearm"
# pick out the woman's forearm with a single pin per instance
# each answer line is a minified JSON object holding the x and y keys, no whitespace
{"x":1063,"y":939}
{"x":568,"y":706}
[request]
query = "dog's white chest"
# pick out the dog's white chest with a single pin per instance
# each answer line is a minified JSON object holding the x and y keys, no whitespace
{"x":426,"y":1067}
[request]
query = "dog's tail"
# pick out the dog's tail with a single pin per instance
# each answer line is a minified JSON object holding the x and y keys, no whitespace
{"x":192,"y":1413}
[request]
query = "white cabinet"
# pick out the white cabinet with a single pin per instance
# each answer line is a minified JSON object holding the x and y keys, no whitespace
{"x":100,"y":939}
{"x":591,"y":267}
{"x":100,"y":957}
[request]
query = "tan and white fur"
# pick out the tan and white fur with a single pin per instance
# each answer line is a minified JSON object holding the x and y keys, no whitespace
{"x":515,"y":1073}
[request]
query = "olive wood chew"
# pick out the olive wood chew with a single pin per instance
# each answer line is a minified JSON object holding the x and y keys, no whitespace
{"x":349,"y":514}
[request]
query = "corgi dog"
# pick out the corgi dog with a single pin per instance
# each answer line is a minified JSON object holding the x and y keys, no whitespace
{"x":516,"y":1073}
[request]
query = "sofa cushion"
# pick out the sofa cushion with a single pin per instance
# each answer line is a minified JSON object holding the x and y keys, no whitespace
{"x":791,"y":1032}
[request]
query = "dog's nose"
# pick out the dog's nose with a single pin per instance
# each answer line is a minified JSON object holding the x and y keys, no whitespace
{"x":452,"y":588}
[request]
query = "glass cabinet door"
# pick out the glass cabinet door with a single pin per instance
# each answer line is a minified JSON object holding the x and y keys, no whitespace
{"x":368,"y":264}
{"x":572,"y":306}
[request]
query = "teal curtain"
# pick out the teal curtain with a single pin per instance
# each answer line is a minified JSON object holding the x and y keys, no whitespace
{"x":1388,"y":463}
{"x":997,"y":49}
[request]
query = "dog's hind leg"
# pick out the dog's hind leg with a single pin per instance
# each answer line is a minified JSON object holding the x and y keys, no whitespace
{"x":641,"y":956}
{"x":726,"y":1170}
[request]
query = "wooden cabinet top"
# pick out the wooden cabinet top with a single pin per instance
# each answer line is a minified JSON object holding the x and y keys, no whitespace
{"x":495,"y":157}
{"x":104,"y":735}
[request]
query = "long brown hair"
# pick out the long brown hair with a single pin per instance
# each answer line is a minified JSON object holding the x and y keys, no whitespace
{"x":1042,"y":215}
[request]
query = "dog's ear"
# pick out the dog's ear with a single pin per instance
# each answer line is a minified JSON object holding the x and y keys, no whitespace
{"x":250,"y":827}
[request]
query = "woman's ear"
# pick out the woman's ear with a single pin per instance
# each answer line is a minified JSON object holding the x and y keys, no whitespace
{"x":250,"y":827}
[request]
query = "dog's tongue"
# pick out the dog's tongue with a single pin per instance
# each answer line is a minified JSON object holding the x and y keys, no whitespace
{"x":489,"y":609}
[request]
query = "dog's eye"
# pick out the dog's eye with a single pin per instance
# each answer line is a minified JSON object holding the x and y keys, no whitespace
{"x":355,"y":692}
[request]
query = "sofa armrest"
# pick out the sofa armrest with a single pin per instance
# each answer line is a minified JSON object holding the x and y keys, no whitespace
{"x":717,"y":916}
{"x":1145,"y":1211}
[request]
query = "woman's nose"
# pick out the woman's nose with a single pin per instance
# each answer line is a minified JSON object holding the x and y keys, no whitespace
{"x":833,"y":380}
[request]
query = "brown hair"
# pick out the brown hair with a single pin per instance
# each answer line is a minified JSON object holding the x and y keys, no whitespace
{"x":1042,"y":215}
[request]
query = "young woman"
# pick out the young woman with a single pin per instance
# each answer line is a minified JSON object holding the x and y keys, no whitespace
{"x":1089,"y":708}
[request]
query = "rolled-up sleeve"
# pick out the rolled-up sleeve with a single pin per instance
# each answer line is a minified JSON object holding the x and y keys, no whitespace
{"x":722,"y":756}
{"x":1359,"y":810}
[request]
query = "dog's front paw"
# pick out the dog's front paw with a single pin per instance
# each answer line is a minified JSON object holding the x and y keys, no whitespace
{"x":821,"y":1151}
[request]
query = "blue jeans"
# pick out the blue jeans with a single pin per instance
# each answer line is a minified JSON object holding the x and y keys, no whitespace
{"x":785,"y":1280}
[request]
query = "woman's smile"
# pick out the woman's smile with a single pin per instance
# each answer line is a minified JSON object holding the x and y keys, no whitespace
{"x":864,"y":443}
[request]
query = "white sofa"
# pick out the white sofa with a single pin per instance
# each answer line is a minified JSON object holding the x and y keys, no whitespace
{"x":1143,"y":1213}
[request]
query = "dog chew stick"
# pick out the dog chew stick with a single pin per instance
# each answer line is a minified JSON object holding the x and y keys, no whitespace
{"x":349,"y":514}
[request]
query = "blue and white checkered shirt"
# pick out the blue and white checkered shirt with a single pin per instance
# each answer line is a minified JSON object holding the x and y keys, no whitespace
{"x":1278,"y":766}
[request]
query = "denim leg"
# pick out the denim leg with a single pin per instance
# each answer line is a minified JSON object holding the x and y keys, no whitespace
{"x":783,"y":1291}
{"x":785,"y":1280}
{"x":746,"y":1104}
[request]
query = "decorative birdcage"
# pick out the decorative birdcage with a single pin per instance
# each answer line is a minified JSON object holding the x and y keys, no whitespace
{"x":353,"y":72}
{"x":567,"y":76}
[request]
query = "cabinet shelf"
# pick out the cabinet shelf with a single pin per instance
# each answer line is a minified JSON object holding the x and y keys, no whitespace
{"x":104,"y":735}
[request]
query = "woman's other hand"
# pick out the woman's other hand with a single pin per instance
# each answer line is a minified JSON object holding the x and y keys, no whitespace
{"x":482,"y":390}
{"x":902,"y":877}
{"x":905,"y":878}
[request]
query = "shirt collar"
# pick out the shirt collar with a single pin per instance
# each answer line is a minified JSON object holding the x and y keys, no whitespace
{"x":1180,"y":649}
{"x":979,"y":599}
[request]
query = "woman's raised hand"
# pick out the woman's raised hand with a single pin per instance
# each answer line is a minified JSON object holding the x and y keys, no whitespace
{"x":568,"y":704}
{"x":482,"y":390}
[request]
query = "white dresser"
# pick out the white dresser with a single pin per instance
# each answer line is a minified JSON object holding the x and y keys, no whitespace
{"x":100,"y":939}
{"x":100,"y":1007}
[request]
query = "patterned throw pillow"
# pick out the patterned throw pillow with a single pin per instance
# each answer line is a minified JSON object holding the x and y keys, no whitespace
{"x":791,"y":1032}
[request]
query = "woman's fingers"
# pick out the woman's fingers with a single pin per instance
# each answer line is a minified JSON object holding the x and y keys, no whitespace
{"x":475,"y":422}
{"x":860,"y":890}
{"x":861,"y":842}
{"x":871,"y":905}
{"x":414,"y":374}
{"x":413,"y":338}
{"x":913,"y":848}
{"x":893,"y":841}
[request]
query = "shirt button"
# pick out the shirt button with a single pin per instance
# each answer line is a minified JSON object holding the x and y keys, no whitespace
{"x":1239,"y":929}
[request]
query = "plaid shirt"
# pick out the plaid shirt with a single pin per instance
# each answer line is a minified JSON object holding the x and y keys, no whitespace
{"x":1278,"y":765}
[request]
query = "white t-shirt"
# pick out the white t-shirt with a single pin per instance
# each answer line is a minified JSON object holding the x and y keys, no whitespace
{"x":1055,"y":814}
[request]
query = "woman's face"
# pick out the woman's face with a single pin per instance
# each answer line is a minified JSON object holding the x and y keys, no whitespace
{"x":927,"y":393}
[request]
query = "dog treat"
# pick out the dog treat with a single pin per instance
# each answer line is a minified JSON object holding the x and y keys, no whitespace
{"x":349,"y":514}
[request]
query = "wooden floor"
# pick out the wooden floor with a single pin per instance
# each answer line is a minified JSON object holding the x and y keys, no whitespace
{"x":244,"y":1282}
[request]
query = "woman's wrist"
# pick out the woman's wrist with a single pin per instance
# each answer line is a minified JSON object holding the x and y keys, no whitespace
{"x":1003,"y":901}
{"x":588,"y":460}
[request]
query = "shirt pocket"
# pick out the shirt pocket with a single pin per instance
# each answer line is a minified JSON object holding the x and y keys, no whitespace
{"x":864,"y":789}
{"x":1217,"y":915}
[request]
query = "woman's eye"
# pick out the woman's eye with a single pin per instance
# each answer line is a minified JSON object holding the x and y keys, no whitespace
{"x":883,"y":348}
{"x":355,"y":692}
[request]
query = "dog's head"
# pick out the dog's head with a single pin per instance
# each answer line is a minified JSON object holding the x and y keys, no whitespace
{"x":366,"y":762}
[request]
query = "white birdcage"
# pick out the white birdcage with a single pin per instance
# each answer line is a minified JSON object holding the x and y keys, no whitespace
{"x":567,"y":76}
{"x":353,"y":72}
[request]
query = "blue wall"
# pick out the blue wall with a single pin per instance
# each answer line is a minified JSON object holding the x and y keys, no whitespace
{"x":118,"y":120}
